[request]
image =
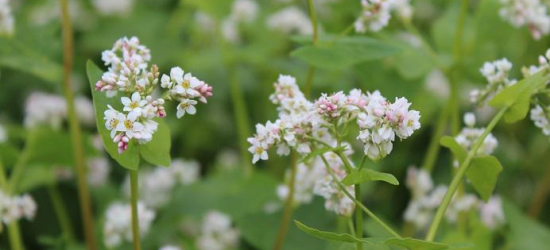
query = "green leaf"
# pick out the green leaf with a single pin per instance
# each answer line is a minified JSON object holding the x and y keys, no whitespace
{"x":157,"y":151}
{"x":50,"y":147}
{"x":22,"y":57}
{"x":458,"y":151}
{"x":329,"y":235}
{"x":130,"y":158}
{"x":344,"y":53}
{"x":517,"y":97}
{"x":414,"y":244}
{"x":483,"y":175}
{"x":524,"y":233}
{"x":356,"y":177}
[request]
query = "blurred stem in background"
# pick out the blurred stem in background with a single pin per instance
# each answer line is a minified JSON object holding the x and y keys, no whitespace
{"x":61,"y":212}
{"x":74,"y":126}
{"x":13,"y":228}
{"x":457,"y":179}
{"x":134,"y":200}
{"x":239,"y":106}
{"x":287,"y":212}
{"x":541,"y":195}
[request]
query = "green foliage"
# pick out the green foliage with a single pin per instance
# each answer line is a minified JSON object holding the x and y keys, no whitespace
{"x":517,"y":97}
{"x":320,"y":151}
{"x":157,"y":151}
{"x":483,"y":175}
{"x":130,"y":158}
{"x":457,"y":150}
{"x":360,"y":176}
{"x":344,"y":53}
{"x":25,"y":59}
{"x":524,"y":233}
{"x":343,"y":237}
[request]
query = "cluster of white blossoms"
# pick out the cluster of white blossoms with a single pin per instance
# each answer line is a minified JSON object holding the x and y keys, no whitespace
{"x":108,"y":7}
{"x":6,"y":18}
{"x":217,"y":233}
{"x":156,"y":185}
{"x":426,"y":199}
{"x":290,"y":20}
{"x":376,"y":14}
{"x":530,"y":13}
{"x":304,"y":182}
{"x":242,"y":11}
{"x":118,"y":223}
{"x":470,"y":134}
{"x":170,"y":247}
{"x":98,"y":171}
{"x":51,"y":110}
{"x":302,"y":122}
{"x":540,"y":113}
{"x":13,"y":208}
{"x":497,"y":74}
{"x":129,"y":73}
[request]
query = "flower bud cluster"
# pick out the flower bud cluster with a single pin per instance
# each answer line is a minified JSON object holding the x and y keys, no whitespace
{"x":376,"y":14}
{"x":130,"y":74}
{"x":217,"y":232}
{"x":469,"y":135}
{"x":14,"y":208}
{"x":530,"y":13}
{"x":118,"y":223}
{"x":497,"y":74}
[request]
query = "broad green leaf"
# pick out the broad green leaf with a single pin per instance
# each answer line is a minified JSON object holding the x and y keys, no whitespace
{"x":157,"y":151}
{"x":414,"y":244}
{"x":8,"y":155}
{"x":483,"y":175}
{"x":35,"y":176}
{"x":130,"y":158}
{"x":22,"y":57}
{"x":356,"y":177}
{"x":50,"y":147}
{"x":458,"y":151}
{"x":345,"y":53}
{"x":517,"y":97}
{"x":343,"y":237}
{"x":524,"y":232}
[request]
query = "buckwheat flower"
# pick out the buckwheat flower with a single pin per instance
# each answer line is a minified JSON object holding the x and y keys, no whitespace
{"x":290,"y":20}
{"x":540,"y":117}
{"x":258,"y":150}
{"x":186,"y":172}
{"x":118,"y":7}
{"x":45,"y":109}
{"x":374,"y":16}
{"x":170,"y":247}
{"x":469,"y":135}
{"x":113,"y":119}
{"x":155,"y":186}
{"x":230,"y":30}
{"x":304,"y":183}
{"x":3,"y":135}
{"x":13,"y":208}
{"x":98,"y":171}
{"x":437,"y":83}
{"x":496,"y":74}
{"x":419,"y":182}
{"x":130,"y":126}
{"x":403,"y":8}
{"x":133,"y":105}
{"x":217,"y":233}
{"x":460,"y":204}
{"x":186,"y":106}
{"x":492,"y":213}
{"x":118,"y":223}
{"x":6,"y":19}
{"x":205,"y":22}
{"x":244,"y":10}
{"x":421,"y":210}
{"x":527,"y":13}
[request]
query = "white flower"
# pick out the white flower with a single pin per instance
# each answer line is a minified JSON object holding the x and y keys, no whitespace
{"x":118,"y":7}
{"x":290,"y":20}
{"x":186,"y":106}
{"x":437,"y":83}
{"x":16,"y":207}
{"x":306,"y":177}
{"x":258,"y":151}
{"x":6,"y":19}
{"x":529,"y":13}
{"x":3,"y":135}
{"x":492,"y":213}
{"x":496,"y":74}
{"x":130,"y":126}
{"x":217,"y":232}
{"x":419,"y":182}
{"x":470,"y":119}
{"x":170,"y":247}
{"x":133,"y":105}
{"x":335,"y":199}
{"x":45,"y":109}
{"x":98,"y":171}
{"x":375,"y":15}
{"x":244,"y":10}
{"x":540,"y":118}
{"x":186,"y":172}
{"x":402,"y":7}
{"x":118,"y":223}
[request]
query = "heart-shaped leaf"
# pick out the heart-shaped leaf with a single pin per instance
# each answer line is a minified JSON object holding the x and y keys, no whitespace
{"x":483,"y":175}
{"x":356,"y":177}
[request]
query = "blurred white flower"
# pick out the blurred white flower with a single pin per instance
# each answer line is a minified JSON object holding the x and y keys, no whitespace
{"x":290,"y":20}
{"x":170,"y":247}
{"x":3,"y":135}
{"x":496,"y":74}
{"x":492,"y":213}
{"x":6,"y":19}
{"x":13,"y":208}
{"x":419,"y":181}
{"x":110,"y":7}
{"x":540,"y":117}
{"x":469,"y":135}
{"x":244,"y":10}
{"x":437,"y":82}
{"x":304,"y":182}
{"x":335,"y":199}
{"x":527,"y":13}
{"x":84,"y":110}
{"x":217,"y":233}
{"x":118,"y":223}
{"x":374,"y":16}
{"x":98,"y":171}
{"x":45,"y":109}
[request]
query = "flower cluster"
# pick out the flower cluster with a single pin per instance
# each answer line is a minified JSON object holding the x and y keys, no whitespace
{"x":217,"y":233}
{"x":156,"y":185}
{"x":3,"y":134}
{"x":540,"y":113}
{"x":469,"y":135}
{"x":426,"y":199}
{"x":118,"y":223}
{"x":13,"y":208}
{"x":290,"y":20}
{"x":376,"y":14}
{"x":98,"y":171}
{"x":496,"y":74}
{"x":301,"y":122}
{"x":51,"y":110}
{"x":541,"y":118}
{"x":326,"y":187}
{"x":242,"y":11}
{"x":6,"y":18}
{"x":530,"y":13}
{"x":307,"y":175}
{"x":169,"y":247}
{"x":108,"y":7}
{"x":129,"y":73}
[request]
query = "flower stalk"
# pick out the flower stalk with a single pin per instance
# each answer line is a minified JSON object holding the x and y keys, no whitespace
{"x":287,"y":212}
{"x":134,"y":200}
{"x":457,"y":179}
{"x":74,"y":126}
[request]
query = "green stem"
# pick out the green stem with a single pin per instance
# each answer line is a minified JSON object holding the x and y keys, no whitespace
{"x":357,"y":203}
{"x":74,"y":127}
{"x":314,"y":40}
{"x":358,"y":218}
{"x":457,"y":179}
{"x":134,"y":200}
{"x":350,"y":225}
{"x":287,"y":212}
{"x":61,"y":212}
{"x":16,"y":242}
{"x":433,"y":148}
{"x":239,"y":106}
{"x":20,"y":166}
